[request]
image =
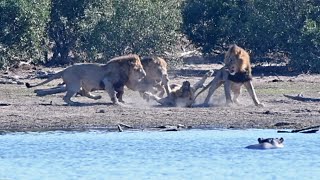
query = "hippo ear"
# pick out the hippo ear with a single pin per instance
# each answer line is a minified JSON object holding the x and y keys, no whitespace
{"x":281,"y":140}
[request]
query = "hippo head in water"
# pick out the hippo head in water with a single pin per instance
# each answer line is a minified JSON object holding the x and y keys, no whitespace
{"x":268,"y":143}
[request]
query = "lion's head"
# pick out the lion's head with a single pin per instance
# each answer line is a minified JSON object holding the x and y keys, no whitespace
{"x":186,"y":89}
{"x":155,"y":68}
{"x":129,"y":70}
{"x":237,"y":63}
{"x":237,"y":60}
{"x":136,"y":71}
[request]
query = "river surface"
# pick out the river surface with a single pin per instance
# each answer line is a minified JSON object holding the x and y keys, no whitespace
{"x":191,"y":154}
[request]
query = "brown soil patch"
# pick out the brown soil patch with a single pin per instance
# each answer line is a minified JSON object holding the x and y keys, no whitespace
{"x":22,"y":110}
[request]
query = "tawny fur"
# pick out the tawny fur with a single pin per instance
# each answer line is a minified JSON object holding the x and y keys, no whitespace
{"x":112,"y":77}
{"x":235,"y":74}
{"x":156,"y":71}
{"x":180,"y":95}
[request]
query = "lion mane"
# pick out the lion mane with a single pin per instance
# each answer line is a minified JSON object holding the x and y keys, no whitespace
{"x":156,"y":72}
{"x":112,"y":77}
{"x":236,"y":73}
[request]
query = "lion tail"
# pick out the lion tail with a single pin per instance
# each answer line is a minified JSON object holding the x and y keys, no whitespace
{"x":55,"y":76}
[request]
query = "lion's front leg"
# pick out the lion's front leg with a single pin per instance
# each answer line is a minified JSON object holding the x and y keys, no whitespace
{"x":108,"y":86}
{"x":165,"y":82}
{"x":227,"y":91}
{"x":252,"y":93}
{"x":236,"y":89}
{"x":214,"y":85}
{"x":120,"y":92}
{"x":200,"y":83}
{"x":160,"y":88}
{"x":166,"y":101}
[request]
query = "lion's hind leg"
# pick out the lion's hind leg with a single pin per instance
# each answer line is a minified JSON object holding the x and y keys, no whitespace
{"x":215,"y":84}
{"x":163,"y":101}
{"x":148,"y":96}
{"x":67,"y":98}
{"x":88,"y":94}
{"x":72,"y":89}
{"x":236,"y":89}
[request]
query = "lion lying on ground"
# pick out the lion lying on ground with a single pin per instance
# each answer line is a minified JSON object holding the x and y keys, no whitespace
{"x":153,"y":82}
{"x":235,"y":73}
{"x":112,"y":77}
{"x":180,"y":95}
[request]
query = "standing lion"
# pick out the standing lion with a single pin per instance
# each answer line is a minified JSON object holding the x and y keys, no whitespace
{"x":236,"y":72}
{"x":112,"y":77}
{"x":154,"y":81}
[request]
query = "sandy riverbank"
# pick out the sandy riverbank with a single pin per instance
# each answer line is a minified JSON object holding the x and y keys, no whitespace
{"x":22,"y":110}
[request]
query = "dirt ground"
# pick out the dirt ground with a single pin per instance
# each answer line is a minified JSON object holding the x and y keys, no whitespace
{"x":22,"y":110}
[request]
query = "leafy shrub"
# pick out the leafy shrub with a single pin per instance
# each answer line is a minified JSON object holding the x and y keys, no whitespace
{"x":116,"y":27}
{"x":22,"y":27}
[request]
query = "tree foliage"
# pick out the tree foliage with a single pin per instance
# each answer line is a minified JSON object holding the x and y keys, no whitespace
{"x":96,"y":30}
{"x":117,"y":27}
{"x":22,"y":26}
{"x":262,"y":26}
{"x":86,"y":29}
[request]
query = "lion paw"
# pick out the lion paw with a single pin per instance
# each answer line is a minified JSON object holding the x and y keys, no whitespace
{"x":209,"y":73}
{"x":260,"y":105}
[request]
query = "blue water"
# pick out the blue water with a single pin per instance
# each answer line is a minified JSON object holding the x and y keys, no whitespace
{"x":193,"y":154}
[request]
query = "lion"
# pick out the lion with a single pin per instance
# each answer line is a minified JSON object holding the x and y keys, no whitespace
{"x":156,"y":72}
{"x":112,"y":77}
{"x":268,"y":143}
{"x":236,"y":72}
{"x":180,"y":95}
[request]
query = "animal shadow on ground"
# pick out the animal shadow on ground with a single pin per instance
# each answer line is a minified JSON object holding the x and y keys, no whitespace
{"x":81,"y":104}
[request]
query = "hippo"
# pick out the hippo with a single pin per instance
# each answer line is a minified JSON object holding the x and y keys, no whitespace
{"x":268,"y":143}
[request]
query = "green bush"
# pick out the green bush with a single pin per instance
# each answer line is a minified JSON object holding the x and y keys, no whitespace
{"x":306,"y":51}
{"x":263,"y":26}
{"x":210,"y":24}
{"x":116,"y":27}
{"x":22,"y":27}
{"x":86,"y":29}
{"x":63,"y":28}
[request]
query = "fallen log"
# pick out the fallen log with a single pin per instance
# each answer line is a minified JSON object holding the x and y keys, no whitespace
{"x":300,"y":97}
{"x":5,"y":104}
{"x":312,"y":129}
{"x":54,"y":90}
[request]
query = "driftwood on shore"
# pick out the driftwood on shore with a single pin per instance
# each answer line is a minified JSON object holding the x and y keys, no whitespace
{"x":5,"y":104}
{"x":178,"y":127}
{"x":300,"y":97}
{"x":312,"y":129}
{"x":54,"y":90}
{"x":6,"y":79}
